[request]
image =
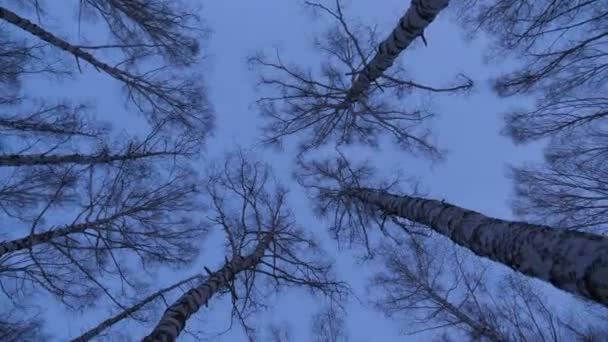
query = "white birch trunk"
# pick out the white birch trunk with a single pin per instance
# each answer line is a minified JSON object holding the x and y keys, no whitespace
{"x":420,"y":14}
{"x":573,"y":261}
{"x":50,"y":38}
{"x":128,"y":312}
{"x":82,"y":159}
{"x":175,"y":317}
{"x":40,"y":238}
{"x":32,"y":126}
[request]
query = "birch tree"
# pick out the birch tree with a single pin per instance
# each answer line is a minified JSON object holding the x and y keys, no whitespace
{"x":569,"y":189}
{"x":140,"y":28}
{"x":352,"y":98}
{"x":423,"y":290}
{"x":134,"y":309}
{"x":82,"y":203}
{"x":115,"y":215}
{"x":278,"y":333}
{"x":21,"y":57}
{"x":561,"y":47}
{"x":266,"y":251}
{"x":328,"y":325}
{"x":14,"y":327}
{"x":88,"y":210}
{"x":432,"y":286}
{"x":103,"y":149}
{"x":161,"y":94}
{"x":573,"y":261}
{"x":43,"y":154}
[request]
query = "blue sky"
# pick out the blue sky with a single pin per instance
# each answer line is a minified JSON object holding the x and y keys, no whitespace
{"x":472,"y":176}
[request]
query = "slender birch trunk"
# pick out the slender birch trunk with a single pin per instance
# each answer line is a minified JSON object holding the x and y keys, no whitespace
{"x":175,"y":317}
{"x":128,"y":312}
{"x":50,"y":38}
{"x":32,"y":126}
{"x":40,"y":238}
{"x":82,"y":159}
{"x":420,"y":14}
{"x":573,"y":261}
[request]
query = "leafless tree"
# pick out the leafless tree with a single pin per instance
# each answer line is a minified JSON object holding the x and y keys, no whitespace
{"x":569,"y":190}
{"x":113,"y":195}
{"x":573,"y":261}
{"x":132,"y":310}
{"x":160,"y":93}
{"x":19,"y":57}
{"x":117,"y":217}
{"x":43,"y":155}
{"x":328,"y":325}
{"x":353,"y":97}
{"x":562,"y":49}
{"x":266,"y":250}
{"x":140,"y":28}
{"x":435,"y":287}
{"x":278,"y":333}
{"x":14,"y":328}
{"x":88,"y":209}
{"x":562,"y":45}
{"x":413,"y":287}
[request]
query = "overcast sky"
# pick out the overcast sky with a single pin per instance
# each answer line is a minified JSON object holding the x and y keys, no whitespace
{"x":472,"y":176}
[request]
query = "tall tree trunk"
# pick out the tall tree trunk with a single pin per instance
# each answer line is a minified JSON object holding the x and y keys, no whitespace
{"x":82,"y":159}
{"x":129,"y":311}
{"x":50,"y":38}
{"x":43,"y":127}
{"x":420,"y":14}
{"x":175,"y":317}
{"x":573,"y":261}
{"x":40,"y":238}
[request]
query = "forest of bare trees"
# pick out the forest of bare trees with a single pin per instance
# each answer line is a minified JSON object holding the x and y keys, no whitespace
{"x":125,"y":222}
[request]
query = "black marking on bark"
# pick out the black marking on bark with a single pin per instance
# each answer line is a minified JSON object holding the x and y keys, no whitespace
{"x":423,"y":39}
{"x":423,"y":12}
{"x":590,"y":285}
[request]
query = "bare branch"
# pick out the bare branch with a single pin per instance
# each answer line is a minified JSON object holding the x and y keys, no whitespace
{"x":159,"y":97}
{"x":352,"y":100}
{"x":573,"y":261}
{"x":270,"y":249}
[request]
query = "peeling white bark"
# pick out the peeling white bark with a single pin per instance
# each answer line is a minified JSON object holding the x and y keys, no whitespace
{"x":175,"y":317}
{"x":420,"y":14}
{"x":573,"y":261}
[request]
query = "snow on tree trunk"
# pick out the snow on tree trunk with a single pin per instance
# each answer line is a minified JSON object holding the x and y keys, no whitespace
{"x":420,"y":14}
{"x":40,"y":238}
{"x":82,"y":159}
{"x":175,"y":317}
{"x":573,"y":261}
{"x":128,"y":312}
